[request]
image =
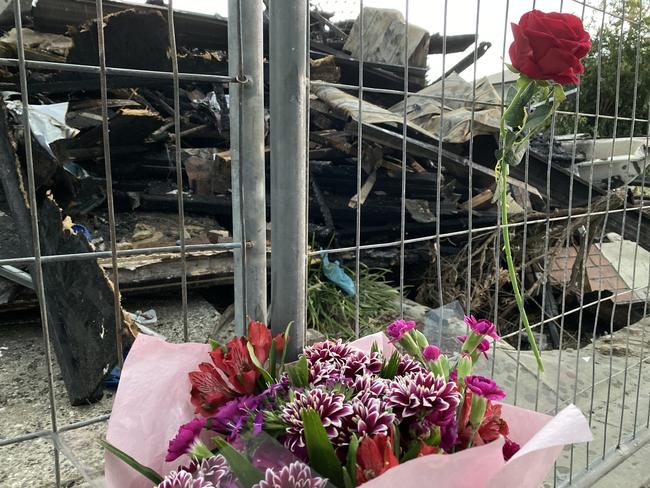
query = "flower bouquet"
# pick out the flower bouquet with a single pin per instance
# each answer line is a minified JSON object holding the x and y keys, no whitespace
{"x":379,"y":411}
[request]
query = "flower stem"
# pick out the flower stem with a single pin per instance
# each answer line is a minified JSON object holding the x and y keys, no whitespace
{"x":511,"y":267}
{"x":502,"y":170}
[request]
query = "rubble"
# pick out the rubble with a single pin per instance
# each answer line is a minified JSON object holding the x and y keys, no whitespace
{"x":69,"y":164}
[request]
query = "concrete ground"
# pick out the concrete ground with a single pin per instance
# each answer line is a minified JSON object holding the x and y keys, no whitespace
{"x":24,"y":398}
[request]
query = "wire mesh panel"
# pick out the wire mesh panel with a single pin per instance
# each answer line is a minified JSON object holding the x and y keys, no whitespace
{"x":385,"y":165}
{"x":577,"y":223}
{"x":120,"y":90}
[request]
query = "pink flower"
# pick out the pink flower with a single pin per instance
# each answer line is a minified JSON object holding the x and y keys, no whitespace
{"x":397,"y":329}
{"x":510,"y":448}
{"x":182,"y":443}
{"x":431,"y":353}
{"x":484,"y":387}
{"x":482,"y":327}
{"x":483,"y":347}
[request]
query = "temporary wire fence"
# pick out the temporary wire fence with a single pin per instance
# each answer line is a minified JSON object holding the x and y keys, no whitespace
{"x":612,"y":391}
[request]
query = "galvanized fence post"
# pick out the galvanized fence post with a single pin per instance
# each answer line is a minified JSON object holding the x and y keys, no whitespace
{"x":245,"y":62}
{"x":288,"y":103}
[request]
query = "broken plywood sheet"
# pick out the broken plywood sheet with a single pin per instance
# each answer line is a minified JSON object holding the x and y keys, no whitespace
{"x":425,"y":107}
{"x":166,"y":269}
{"x":348,"y":106}
{"x":383,"y":38}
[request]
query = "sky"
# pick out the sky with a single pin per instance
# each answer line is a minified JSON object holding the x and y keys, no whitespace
{"x":429,"y":14}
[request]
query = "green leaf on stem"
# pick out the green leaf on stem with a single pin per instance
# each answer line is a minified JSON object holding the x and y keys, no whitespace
{"x":389,"y":369}
{"x":286,"y":342}
{"x":145,"y":471}
{"x":319,"y":448}
{"x":247,"y":474}
{"x":299,"y":373}
{"x":352,"y":458}
{"x":265,"y":374}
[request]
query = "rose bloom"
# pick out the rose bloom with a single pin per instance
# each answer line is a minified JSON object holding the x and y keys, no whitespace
{"x":549,"y":46}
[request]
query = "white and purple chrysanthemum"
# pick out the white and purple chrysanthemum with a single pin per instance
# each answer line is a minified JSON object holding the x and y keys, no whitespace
{"x":369,"y":417}
{"x":407,"y":365}
{"x":369,"y":386}
{"x":423,"y":395}
{"x":358,"y":363}
{"x":323,"y":373}
{"x":183,"y":479}
{"x":331,"y":408}
{"x":208,"y":473}
{"x":295,"y":475}
{"x":329,"y":352}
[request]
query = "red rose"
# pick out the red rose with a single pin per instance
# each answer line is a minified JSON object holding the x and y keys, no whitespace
{"x":549,"y":46}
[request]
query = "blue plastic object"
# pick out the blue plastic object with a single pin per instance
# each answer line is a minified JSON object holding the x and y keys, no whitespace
{"x":113,"y":378}
{"x":80,"y":228}
{"x":336,"y":274}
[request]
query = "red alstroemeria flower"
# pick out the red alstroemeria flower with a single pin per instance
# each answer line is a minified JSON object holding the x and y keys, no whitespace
{"x":374,"y":457}
{"x":232,"y":372}
{"x":491,"y":428}
{"x":260,"y":337}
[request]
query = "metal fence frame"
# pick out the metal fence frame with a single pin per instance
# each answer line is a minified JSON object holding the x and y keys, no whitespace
{"x":289,"y":101}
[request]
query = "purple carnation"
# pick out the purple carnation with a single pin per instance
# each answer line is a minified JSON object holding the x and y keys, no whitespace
{"x":431,"y":353}
{"x":331,"y":408}
{"x":485,"y":387}
{"x":407,"y":365}
{"x":397,"y":329}
{"x":423,"y":395}
{"x":482,"y":327}
{"x":230,"y":418}
{"x":295,"y":475}
{"x":328,"y":351}
{"x":184,"y":439}
{"x":510,"y":448}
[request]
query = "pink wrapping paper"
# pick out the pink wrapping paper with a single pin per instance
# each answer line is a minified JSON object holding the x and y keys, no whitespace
{"x":152,"y":401}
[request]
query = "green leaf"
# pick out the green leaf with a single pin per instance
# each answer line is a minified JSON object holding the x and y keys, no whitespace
{"x":319,"y":448}
{"x":511,"y":68}
{"x":389,"y":370}
{"x":510,"y":95}
{"x":299,"y":373}
{"x":396,"y":441}
{"x":272,"y":360}
{"x":374,"y":348}
{"x":352,"y":458}
{"x":247,"y":474}
{"x":516,"y":111}
{"x":215,"y":345}
{"x":412,"y":452}
{"x":284,"y":349}
{"x":258,"y":365}
{"x":148,"y":473}
{"x":515,"y":157}
{"x":347,"y":479}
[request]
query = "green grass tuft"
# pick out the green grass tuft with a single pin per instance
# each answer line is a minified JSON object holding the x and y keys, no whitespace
{"x":332,"y":312}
